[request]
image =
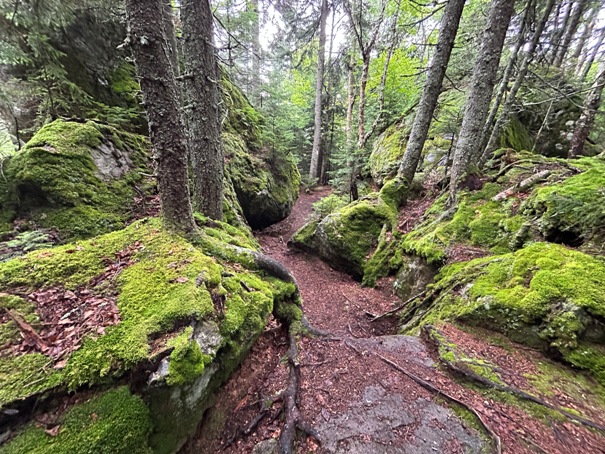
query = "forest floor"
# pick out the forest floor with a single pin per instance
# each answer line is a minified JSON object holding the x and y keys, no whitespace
{"x":361,"y":389}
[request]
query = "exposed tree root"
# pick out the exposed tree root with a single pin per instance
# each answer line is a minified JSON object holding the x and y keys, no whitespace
{"x":429,"y":387}
{"x":398,"y":308}
{"x":293,"y":417}
{"x":432,"y":335}
{"x":522,"y":185}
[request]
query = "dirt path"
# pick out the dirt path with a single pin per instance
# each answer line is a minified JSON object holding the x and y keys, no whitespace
{"x":357,"y":402}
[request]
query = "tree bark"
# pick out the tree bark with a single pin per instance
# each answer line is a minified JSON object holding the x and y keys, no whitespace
{"x":168,"y":19}
{"x":570,"y":30}
{"x":350,"y":99}
{"x":160,"y":95}
{"x":593,"y":55}
{"x":255,"y":52}
{"x":203,"y":111}
{"x":482,"y":86}
{"x":589,"y":112}
{"x":316,"y":158}
{"x":512,"y":96}
{"x":559,"y":30}
{"x":506,"y":77}
{"x":432,"y":89}
{"x":589,"y":27}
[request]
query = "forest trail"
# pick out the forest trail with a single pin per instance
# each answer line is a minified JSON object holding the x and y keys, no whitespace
{"x":357,"y":402}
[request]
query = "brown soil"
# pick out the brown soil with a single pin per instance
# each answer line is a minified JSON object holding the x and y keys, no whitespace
{"x":359,"y":403}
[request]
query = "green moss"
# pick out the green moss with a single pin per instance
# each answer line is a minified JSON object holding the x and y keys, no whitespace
{"x":305,"y":235}
{"x":114,"y":422}
{"x":329,"y":204}
{"x":393,"y":193}
{"x":575,"y":205}
{"x":187,"y":362}
{"x":543,"y":295}
{"x":9,"y":332}
{"x":387,"y":153}
{"x":55,"y":183}
{"x":516,"y":136}
{"x":22,"y":376}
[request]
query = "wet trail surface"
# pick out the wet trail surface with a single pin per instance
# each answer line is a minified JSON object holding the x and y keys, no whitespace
{"x":355,"y":400}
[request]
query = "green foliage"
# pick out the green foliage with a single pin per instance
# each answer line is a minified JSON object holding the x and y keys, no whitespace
{"x":115,"y":422}
{"x":329,"y":204}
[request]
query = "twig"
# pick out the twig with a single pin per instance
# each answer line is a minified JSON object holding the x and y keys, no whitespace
{"x":429,"y":387}
{"x":398,"y":308}
{"x":430,"y":331}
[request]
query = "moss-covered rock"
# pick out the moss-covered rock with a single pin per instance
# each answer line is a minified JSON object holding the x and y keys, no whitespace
{"x":204,"y":300}
{"x":544,"y":295}
{"x":265,"y":181}
{"x":387,"y":152}
{"x":77,"y":178}
{"x":346,"y":237}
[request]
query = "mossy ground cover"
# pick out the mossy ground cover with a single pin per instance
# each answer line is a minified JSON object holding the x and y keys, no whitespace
{"x":544,"y":295}
{"x":114,"y":422}
{"x":170,"y":282}
{"x":54,"y":182}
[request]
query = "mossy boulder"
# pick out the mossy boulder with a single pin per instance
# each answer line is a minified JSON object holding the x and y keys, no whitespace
{"x":544,"y":295}
{"x":387,"y":152}
{"x":187,"y":313}
{"x":346,"y":237}
{"x":76,"y":178}
{"x":265,"y":181}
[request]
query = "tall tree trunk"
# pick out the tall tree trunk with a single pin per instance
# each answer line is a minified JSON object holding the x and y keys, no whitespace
{"x":482,"y":86}
{"x":586,"y":33}
{"x":203,"y":111}
{"x":160,"y":95}
{"x":350,"y":99}
{"x":255,"y":52}
{"x":361,"y":109}
{"x":315,"y":168}
{"x":559,"y":30}
{"x":512,"y":96}
{"x":593,"y":55}
{"x":432,"y":89}
{"x":506,"y":77}
{"x":168,"y":20}
{"x":589,"y":112}
{"x":570,"y":30}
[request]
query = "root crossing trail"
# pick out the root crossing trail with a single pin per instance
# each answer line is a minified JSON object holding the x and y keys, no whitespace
{"x":355,"y":400}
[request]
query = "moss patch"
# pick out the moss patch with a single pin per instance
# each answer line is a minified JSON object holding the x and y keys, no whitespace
{"x":543,"y":295}
{"x":387,"y":153}
{"x":114,"y":422}
{"x":55,"y":183}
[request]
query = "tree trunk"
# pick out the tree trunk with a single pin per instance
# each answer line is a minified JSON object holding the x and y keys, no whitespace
{"x":255,"y":52}
{"x":506,"y":77}
{"x":559,"y":30}
{"x":589,"y":112}
{"x":589,"y":27}
{"x":361,"y":110}
{"x":570,"y":30}
{"x":168,"y":20}
{"x":432,"y":88}
{"x":593,"y":55}
{"x":350,"y":98}
{"x":512,"y":96}
{"x":203,"y":111}
{"x":316,"y":157}
{"x":160,"y":95}
{"x":482,"y":86}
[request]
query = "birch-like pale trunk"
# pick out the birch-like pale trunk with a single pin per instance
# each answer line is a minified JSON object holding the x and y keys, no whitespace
{"x":570,"y":31}
{"x":521,"y":73}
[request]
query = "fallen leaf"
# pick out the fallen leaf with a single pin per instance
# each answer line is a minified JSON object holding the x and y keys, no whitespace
{"x":182,"y":279}
{"x":54,"y":431}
